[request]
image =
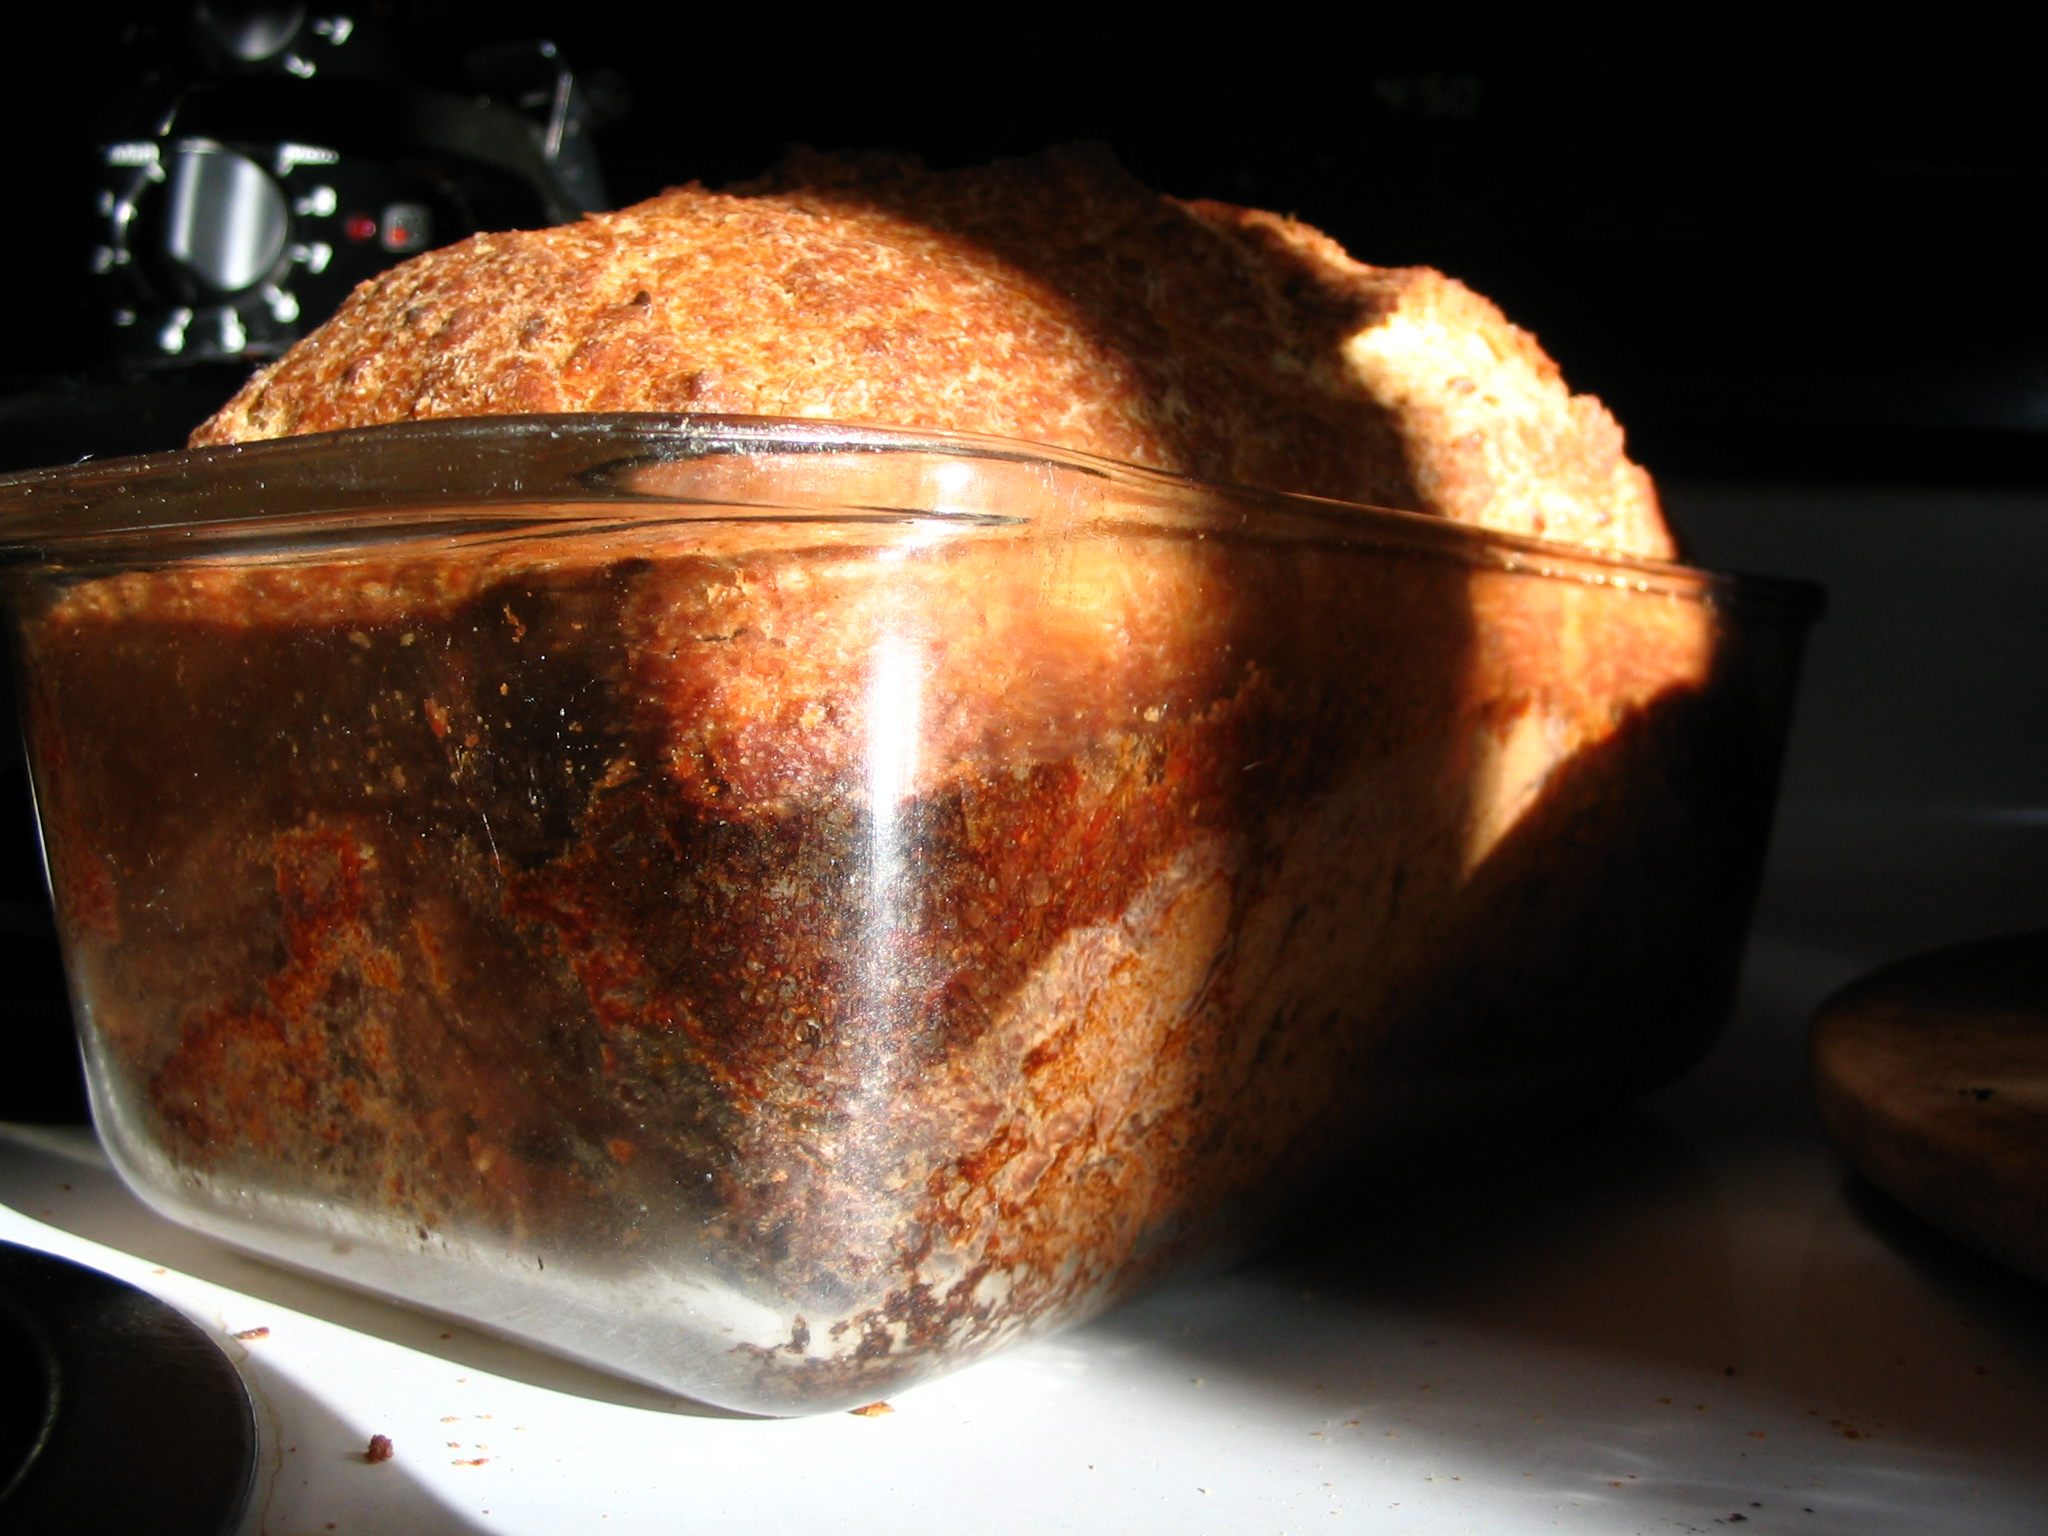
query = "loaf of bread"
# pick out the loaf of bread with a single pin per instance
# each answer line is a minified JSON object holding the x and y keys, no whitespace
{"x":782,"y":956}
{"x":1053,"y":300}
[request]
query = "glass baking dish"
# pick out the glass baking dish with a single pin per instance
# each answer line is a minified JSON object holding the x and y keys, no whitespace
{"x":775,"y":909}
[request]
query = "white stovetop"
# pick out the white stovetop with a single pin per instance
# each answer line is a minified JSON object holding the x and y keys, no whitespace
{"x":1689,"y":1319}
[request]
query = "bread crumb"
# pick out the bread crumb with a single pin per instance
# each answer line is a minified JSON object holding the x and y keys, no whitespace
{"x":871,"y":1410}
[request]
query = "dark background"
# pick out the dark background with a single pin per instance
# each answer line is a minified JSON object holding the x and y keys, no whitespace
{"x":1803,"y":261}
{"x":1804,"y":255}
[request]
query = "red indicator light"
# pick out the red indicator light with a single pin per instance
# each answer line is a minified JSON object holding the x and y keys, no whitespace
{"x":360,"y":227}
{"x":406,"y":227}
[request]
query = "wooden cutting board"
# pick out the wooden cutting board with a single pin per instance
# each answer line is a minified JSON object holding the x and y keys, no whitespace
{"x":1932,"y":1076}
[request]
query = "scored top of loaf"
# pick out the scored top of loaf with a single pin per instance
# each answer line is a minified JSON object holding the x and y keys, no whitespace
{"x":1055,"y":300}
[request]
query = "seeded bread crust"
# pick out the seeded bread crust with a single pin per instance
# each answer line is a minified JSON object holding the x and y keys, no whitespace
{"x":1055,"y":300}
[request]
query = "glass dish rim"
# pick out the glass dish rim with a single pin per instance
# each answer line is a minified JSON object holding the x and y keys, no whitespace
{"x":35,"y":503}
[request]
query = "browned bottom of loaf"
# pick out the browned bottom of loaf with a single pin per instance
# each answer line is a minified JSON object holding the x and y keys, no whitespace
{"x":455,"y":909}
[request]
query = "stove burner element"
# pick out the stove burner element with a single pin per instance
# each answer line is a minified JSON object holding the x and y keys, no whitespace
{"x":117,"y":1414}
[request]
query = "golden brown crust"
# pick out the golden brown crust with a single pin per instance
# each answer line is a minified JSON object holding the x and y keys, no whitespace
{"x":1053,"y":300}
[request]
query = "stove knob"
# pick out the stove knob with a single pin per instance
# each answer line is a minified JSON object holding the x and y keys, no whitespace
{"x":222,"y":224}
